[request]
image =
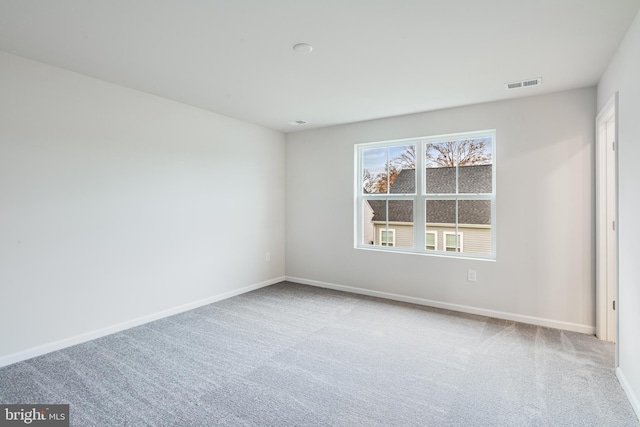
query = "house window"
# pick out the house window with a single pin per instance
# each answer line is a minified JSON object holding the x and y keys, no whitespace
{"x":388,"y":237}
{"x":431,"y":239}
{"x":453,"y":242}
{"x":444,"y":183}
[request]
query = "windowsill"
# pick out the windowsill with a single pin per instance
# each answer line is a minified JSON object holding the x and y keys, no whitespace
{"x":435,"y":254}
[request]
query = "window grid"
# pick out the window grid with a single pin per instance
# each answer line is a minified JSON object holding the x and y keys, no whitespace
{"x":419,"y":196}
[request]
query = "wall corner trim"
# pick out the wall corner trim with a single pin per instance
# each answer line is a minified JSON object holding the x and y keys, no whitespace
{"x":538,"y":321}
{"x":30,"y":353}
{"x":633,"y":399}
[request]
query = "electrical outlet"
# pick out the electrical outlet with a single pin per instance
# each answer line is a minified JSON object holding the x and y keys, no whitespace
{"x":267,"y":256}
{"x":471,"y":275}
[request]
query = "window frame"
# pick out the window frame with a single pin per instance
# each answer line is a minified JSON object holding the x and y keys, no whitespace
{"x":386,"y":242}
{"x":435,"y":240}
{"x":459,"y":241}
{"x":420,"y":197}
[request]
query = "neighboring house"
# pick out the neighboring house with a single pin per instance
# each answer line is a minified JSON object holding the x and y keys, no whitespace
{"x":369,"y":227}
{"x":474,"y":216}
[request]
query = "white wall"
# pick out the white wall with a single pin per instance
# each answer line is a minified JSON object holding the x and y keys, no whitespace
{"x":116,"y":205}
{"x":622,"y":76}
{"x":544,"y":271}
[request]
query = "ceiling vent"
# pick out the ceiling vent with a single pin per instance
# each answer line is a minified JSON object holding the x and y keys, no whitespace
{"x":523,"y":83}
{"x":297,"y":123}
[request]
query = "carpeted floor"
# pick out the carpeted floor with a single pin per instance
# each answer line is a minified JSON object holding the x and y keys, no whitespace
{"x":293,"y":355}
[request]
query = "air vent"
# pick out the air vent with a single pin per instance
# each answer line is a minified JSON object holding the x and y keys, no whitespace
{"x":297,"y":123}
{"x":523,"y":83}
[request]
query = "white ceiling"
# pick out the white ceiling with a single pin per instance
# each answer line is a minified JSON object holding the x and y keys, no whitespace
{"x":371,"y":58}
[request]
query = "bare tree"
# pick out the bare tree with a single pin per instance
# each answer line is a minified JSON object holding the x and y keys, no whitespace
{"x":368,"y":181}
{"x":461,"y":153}
{"x":406,"y":160}
{"x":384,"y":181}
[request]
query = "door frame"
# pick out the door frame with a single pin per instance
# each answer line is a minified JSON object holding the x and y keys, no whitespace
{"x":606,"y":217}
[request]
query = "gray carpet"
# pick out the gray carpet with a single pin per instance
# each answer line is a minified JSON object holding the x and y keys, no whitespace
{"x":293,"y":355}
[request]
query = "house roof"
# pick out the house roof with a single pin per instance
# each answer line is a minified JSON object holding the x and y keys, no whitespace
{"x":471,"y":179}
{"x":399,"y":210}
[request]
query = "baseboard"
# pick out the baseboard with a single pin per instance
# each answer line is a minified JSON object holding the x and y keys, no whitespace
{"x":633,"y":399}
{"x":556,"y":324}
{"x":88,"y":336}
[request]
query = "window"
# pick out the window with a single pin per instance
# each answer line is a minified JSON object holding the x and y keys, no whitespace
{"x":446,"y":183}
{"x":451,"y":244}
{"x":431,"y":239}
{"x":388,"y":237}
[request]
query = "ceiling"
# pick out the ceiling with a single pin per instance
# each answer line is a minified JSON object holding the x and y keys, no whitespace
{"x":371,"y":58}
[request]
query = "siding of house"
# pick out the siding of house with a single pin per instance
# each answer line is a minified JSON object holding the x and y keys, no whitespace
{"x":368,"y":231}
{"x":476,"y":239}
{"x":404,"y":234}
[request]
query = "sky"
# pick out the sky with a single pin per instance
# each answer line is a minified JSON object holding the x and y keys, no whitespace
{"x":375,"y":159}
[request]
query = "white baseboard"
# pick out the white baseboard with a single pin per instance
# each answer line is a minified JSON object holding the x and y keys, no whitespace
{"x":88,"y":336}
{"x":633,"y":399}
{"x":556,"y":324}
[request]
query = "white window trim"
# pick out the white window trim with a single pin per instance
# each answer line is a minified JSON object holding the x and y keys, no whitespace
{"x":393,"y":237}
{"x":460,"y":241}
{"x":435,"y":240}
{"x":420,"y":197}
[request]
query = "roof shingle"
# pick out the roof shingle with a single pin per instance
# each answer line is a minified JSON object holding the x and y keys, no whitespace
{"x":471,"y":179}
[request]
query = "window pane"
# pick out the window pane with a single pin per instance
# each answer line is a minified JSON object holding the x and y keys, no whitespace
{"x":474,"y":176}
{"x":380,"y":216}
{"x":431,"y":241}
{"x":374,"y":170}
{"x":368,"y":227}
{"x":474,"y":212}
{"x":440,"y":162}
{"x":453,"y":242}
{"x":389,"y":170}
{"x":441,"y":213}
{"x":402,"y":167}
{"x":474,"y":222}
{"x":401,"y":220}
{"x":387,"y":237}
{"x":374,"y":214}
{"x":388,"y":223}
{"x":441,"y":217}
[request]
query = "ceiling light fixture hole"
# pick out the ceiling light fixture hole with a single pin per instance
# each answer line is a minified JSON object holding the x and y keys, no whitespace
{"x":303,"y":48}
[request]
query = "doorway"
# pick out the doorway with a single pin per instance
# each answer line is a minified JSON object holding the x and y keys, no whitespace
{"x":606,"y":222}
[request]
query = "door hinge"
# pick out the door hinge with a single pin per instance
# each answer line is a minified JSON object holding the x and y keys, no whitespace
{"x":613,"y":146}
{"x":614,"y":305}
{"x":613,"y":224}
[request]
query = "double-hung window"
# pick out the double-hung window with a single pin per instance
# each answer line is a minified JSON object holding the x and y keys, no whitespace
{"x":445,"y":183}
{"x":387,"y":237}
{"x":431,"y":240}
{"x":453,"y":242}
